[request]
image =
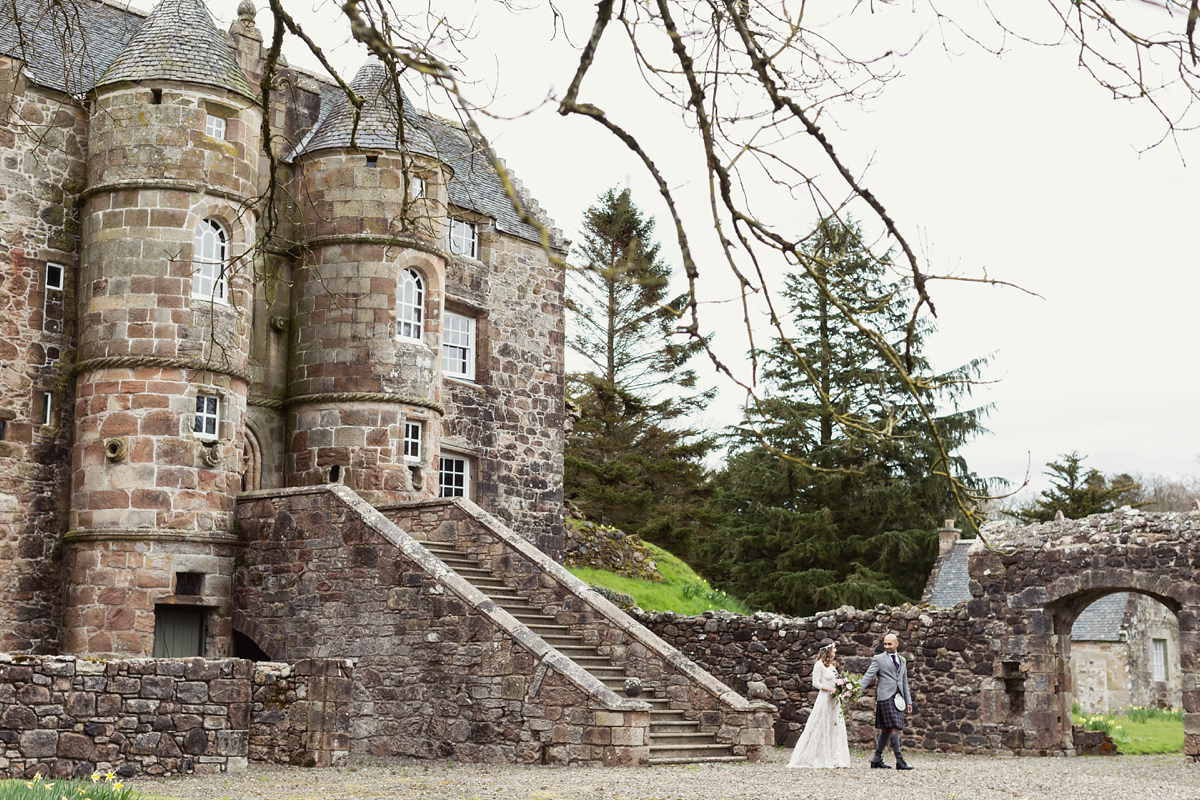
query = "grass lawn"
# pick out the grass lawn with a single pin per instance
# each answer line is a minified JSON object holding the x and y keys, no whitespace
{"x":682,"y":590}
{"x":1155,"y":733}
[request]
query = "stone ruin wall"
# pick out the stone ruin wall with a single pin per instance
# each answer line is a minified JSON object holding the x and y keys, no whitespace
{"x":951,"y":663}
{"x":66,"y":716}
{"x":44,"y":137}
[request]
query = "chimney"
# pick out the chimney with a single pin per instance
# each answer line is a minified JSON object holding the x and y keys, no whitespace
{"x":947,"y":536}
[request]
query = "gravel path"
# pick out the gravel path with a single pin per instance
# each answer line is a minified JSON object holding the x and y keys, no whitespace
{"x":936,"y":777}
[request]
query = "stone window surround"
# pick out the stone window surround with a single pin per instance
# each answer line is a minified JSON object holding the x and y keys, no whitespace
{"x":479,"y":338}
{"x":410,"y":305}
{"x":46,"y":415}
{"x":202,"y":416}
{"x":461,"y":466}
{"x":455,"y":351}
{"x":414,"y":433}
{"x":210,"y":258}
{"x":55,"y":275}
{"x":462,"y":236}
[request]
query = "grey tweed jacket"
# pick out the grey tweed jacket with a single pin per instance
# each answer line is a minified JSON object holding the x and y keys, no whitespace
{"x":892,"y":682}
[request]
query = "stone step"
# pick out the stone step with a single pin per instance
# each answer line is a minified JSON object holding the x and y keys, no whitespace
{"x":670,"y":727}
{"x":666,"y":762}
{"x":681,"y":739}
{"x":688,"y":750}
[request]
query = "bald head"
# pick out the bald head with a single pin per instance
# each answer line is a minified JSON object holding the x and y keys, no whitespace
{"x":890,"y":643}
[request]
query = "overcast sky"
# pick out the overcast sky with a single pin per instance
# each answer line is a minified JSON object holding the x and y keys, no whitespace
{"x":1019,"y":165}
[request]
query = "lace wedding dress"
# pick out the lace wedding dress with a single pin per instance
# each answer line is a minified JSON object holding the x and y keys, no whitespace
{"x":823,"y":743}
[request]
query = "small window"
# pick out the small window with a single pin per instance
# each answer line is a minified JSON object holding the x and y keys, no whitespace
{"x":463,"y":238}
{"x":1160,"y":659}
{"x":208,"y":275}
{"x":189,"y":583}
{"x":412,"y":441}
{"x":47,"y":407}
{"x":3,"y":429}
{"x":372,"y":161}
{"x":214,"y":126}
{"x":54,"y":276}
{"x":410,"y":305}
{"x":156,"y":97}
{"x":458,"y":346}
{"x":417,"y":187}
{"x":454,"y":477}
{"x":208,"y":416}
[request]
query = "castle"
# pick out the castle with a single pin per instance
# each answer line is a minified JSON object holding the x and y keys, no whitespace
{"x":389,"y":323}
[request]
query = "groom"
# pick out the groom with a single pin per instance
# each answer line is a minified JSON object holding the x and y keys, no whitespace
{"x":892,"y":672}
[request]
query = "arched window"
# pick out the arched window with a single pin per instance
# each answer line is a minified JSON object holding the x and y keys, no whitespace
{"x":208,"y":276}
{"x":410,"y":305}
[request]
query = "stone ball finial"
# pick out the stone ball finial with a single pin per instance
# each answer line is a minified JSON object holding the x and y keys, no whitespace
{"x":246,"y":10}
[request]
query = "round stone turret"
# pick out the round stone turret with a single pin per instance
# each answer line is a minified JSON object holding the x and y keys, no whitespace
{"x":365,"y":406}
{"x":162,"y":368}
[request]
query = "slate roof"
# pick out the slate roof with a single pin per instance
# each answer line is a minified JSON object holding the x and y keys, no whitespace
{"x":474,"y":185}
{"x":65,"y":46}
{"x":952,"y":583}
{"x":1101,"y":621}
{"x":179,"y":41}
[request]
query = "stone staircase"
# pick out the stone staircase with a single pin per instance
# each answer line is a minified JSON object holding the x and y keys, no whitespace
{"x":674,"y":739}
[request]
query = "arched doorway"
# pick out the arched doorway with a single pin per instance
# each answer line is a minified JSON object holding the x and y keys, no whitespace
{"x":1034,"y":581}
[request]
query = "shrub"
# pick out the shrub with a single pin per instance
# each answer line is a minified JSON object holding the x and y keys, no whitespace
{"x":97,"y":787}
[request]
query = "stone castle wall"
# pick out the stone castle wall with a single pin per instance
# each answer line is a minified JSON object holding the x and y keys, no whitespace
{"x":511,"y":419}
{"x":440,"y":673}
{"x":951,"y":667}
{"x":43,"y":136}
{"x":62,"y":716}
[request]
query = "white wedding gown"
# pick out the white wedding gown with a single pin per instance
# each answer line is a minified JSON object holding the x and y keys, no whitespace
{"x":823,"y":743}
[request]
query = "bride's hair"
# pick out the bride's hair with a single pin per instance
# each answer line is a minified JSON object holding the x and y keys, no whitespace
{"x":825,"y":655}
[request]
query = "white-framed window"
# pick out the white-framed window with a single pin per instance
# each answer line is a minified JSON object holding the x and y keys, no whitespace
{"x":208,"y":276}
{"x":454,"y":476}
{"x":464,"y":238}
{"x":410,"y":305}
{"x":416,"y":187}
{"x":214,"y":126}
{"x":412,"y":441}
{"x":1160,"y":659}
{"x":54,"y":276}
{"x":207,"y":421}
{"x":47,"y":408}
{"x":458,"y":346}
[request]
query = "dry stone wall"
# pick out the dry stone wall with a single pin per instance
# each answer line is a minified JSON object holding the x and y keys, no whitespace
{"x":63,"y":716}
{"x":950,"y":661}
{"x":604,"y":547}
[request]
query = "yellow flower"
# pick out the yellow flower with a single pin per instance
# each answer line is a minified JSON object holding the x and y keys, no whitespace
{"x":110,"y":775}
{"x":118,"y":785}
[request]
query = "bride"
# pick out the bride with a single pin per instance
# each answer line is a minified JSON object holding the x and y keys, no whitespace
{"x":823,"y":742}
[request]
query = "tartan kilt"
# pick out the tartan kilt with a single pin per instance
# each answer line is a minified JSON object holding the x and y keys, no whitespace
{"x":888,"y":716}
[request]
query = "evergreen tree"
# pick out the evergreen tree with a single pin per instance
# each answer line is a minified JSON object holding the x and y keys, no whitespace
{"x":833,"y":489}
{"x":630,"y":461}
{"x":1078,"y":493}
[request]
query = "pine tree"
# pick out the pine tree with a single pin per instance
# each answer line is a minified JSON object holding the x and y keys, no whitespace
{"x":1078,"y":493}
{"x":833,"y":489}
{"x":630,"y":461}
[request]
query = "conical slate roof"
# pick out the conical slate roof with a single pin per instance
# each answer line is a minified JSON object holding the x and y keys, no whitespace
{"x":378,"y":123}
{"x":473,"y":184}
{"x":179,"y":42}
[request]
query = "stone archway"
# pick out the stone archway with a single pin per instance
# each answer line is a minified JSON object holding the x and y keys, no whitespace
{"x":1033,"y":582}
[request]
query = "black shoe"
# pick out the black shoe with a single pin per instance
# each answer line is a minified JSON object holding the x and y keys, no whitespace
{"x":877,"y":763}
{"x":902,"y":764}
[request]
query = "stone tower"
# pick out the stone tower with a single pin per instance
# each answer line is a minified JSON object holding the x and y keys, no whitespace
{"x":162,"y":372}
{"x":366,"y":407}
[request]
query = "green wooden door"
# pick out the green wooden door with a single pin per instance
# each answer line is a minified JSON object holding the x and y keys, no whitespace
{"x":178,"y":632}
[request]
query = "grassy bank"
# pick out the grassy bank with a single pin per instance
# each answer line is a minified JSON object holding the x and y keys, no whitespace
{"x":682,"y":590}
{"x":1141,"y":731}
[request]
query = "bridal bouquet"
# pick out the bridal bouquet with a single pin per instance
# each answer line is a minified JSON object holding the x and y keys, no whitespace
{"x":846,"y":690}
